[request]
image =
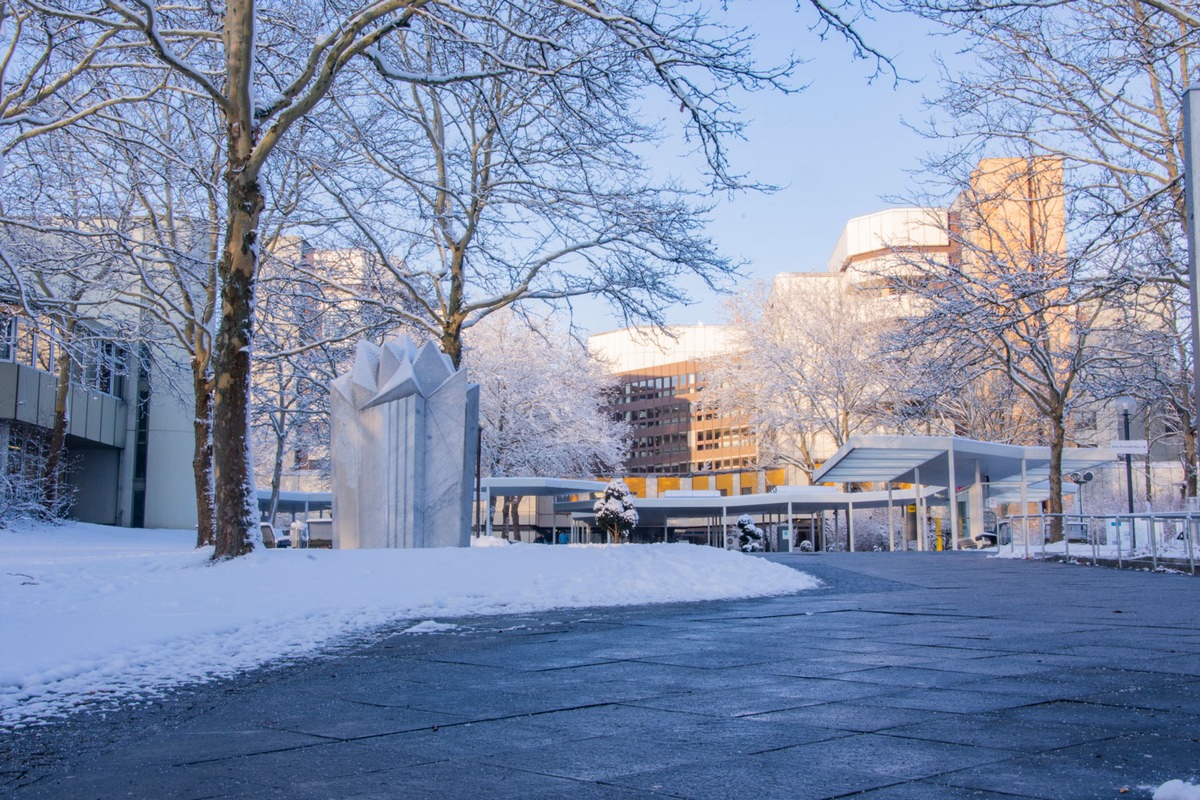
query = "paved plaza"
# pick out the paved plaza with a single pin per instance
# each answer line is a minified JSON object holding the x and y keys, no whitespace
{"x":925,"y":676}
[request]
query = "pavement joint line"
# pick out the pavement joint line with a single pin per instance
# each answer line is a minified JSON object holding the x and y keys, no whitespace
{"x":865,"y":792}
{"x":583,"y":665}
{"x":530,"y":771}
{"x":328,"y":740}
{"x":896,"y":733}
{"x":837,"y":734}
{"x":738,"y":666}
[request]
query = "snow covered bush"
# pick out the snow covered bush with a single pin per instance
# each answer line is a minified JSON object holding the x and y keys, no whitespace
{"x":23,"y":479}
{"x":750,"y":536}
{"x":806,"y":546}
{"x":614,"y":511}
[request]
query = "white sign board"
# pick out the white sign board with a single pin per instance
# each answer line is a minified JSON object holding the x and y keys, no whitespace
{"x":1133,"y":447}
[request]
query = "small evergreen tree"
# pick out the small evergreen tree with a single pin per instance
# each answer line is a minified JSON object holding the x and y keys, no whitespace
{"x":615,"y":512}
{"x":750,"y":536}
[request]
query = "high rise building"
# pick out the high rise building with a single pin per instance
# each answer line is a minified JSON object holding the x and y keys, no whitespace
{"x":679,"y":442}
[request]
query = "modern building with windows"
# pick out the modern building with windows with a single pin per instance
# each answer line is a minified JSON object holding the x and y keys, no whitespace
{"x":128,"y":441}
{"x":679,"y":443}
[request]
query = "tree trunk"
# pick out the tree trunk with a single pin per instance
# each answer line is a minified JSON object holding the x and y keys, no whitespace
{"x":236,"y":505}
{"x":1058,"y":436}
{"x":202,"y":454}
{"x":277,"y":470}
{"x":51,"y":476}
{"x":451,"y":341}
{"x":1189,"y":454}
{"x":1149,"y":479}
{"x":511,"y":517}
{"x":514,"y":510}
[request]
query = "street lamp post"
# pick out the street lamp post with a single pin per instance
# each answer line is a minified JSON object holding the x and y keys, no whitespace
{"x":1126,"y":405}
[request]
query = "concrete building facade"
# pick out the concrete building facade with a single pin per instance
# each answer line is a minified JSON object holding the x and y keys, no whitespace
{"x":680,"y":444}
{"x":128,"y":440}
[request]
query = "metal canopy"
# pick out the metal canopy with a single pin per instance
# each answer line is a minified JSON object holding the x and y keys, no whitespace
{"x":295,"y":502}
{"x":658,"y":511}
{"x":528,"y":486}
{"x":899,"y":459}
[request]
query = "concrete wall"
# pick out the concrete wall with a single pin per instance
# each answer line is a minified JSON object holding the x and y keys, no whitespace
{"x":95,"y":482}
{"x":170,"y":489}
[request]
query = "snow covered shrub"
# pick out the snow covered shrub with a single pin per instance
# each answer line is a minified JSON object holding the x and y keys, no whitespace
{"x":806,"y":546}
{"x":614,"y":511}
{"x":750,"y":537}
{"x":23,"y":492}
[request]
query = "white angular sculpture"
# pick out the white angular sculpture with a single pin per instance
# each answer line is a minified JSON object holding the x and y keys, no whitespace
{"x":405,"y":431}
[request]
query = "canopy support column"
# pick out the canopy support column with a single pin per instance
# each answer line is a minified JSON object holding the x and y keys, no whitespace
{"x":891,"y":522}
{"x":791,"y":529}
{"x":1025,"y":505}
{"x":952,"y":491}
{"x":850,"y":524}
{"x":920,"y":520}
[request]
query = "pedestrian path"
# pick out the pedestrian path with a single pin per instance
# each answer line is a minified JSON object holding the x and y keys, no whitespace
{"x":905,"y":676}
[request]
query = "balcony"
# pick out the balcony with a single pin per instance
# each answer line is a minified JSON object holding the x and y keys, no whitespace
{"x":27,"y":395}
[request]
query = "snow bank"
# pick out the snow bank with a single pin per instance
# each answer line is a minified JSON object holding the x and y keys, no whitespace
{"x":93,"y":613}
{"x":1177,"y":790}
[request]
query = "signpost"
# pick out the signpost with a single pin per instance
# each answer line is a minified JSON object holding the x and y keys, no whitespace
{"x":1130,"y":447}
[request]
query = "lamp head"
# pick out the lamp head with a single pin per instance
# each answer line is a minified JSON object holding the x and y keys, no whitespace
{"x":1125,"y":404}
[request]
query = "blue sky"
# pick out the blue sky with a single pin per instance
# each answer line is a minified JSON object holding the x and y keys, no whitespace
{"x":838,"y":149}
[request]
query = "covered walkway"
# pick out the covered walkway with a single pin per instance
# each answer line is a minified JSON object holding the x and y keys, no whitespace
{"x":978,"y":471}
{"x":781,"y":507}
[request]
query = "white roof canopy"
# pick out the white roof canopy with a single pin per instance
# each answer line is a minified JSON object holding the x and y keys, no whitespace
{"x":527,"y":486}
{"x":898,"y":459}
{"x":797,"y":500}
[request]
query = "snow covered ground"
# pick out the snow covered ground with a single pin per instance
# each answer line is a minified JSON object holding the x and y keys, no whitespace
{"x":1177,"y":790}
{"x":91,"y":614}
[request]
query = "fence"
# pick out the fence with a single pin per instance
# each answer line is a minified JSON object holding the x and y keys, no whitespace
{"x":1160,"y":538}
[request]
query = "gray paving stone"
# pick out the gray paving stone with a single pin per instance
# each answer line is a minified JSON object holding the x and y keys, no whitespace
{"x":762,"y":777}
{"x":1050,"y":777}
{"x":892,"y":757}
{"x":956,"y":701}
{"x":923,"y":790}
{"x":856,"y":717}
{"x":893,"y":680}
{"x":1112,"y":719}
{"x":1001,"y":733}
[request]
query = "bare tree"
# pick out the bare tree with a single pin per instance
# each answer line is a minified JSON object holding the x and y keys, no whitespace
{"x":1012,"y":298}
{"x":306,"y":335}
{"x":1097,"y":84}
{"x":809,"y":377}
{"x":541,"y":405}
{"x":51,"y":215}
{"x":264,"y":73}
{"x":521,"y":185}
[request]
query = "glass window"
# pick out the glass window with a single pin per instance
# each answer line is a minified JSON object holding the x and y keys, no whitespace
{"x":8,"y":338}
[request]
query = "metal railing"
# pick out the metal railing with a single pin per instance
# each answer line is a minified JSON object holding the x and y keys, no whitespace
{"x":1168,"y":537}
